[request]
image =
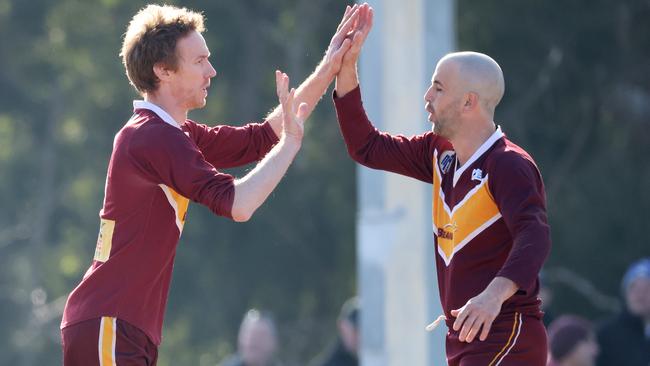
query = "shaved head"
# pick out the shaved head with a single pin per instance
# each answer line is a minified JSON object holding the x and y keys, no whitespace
{"x":476,"y":73}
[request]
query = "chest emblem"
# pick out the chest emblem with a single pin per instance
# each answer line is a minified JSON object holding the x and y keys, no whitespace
{"x":455,"y":227}
{"x":447,"y":158}
{"x":477,"y":174}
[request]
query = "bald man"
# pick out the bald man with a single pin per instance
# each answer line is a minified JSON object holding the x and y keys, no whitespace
{"x":489,"y":212}
{"x":257,"y":342}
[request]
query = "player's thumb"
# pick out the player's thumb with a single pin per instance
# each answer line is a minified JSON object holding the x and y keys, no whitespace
{"x":303,"y":112}
{"x":454,"y":313}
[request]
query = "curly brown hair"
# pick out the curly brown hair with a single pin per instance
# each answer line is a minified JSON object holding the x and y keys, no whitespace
{"x":151,"y":38}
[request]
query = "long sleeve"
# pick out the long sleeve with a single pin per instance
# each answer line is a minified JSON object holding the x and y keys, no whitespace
{"x":169,"y":157}
{"x":410,"y":156}
{"x":228,"y":146}
{"x":518,"y":190}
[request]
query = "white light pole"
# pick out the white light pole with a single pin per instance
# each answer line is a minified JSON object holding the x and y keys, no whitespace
{"x":396,"y":260}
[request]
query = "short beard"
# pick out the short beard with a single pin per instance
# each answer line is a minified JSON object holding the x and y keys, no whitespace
{"x":444,"y":124}
{"x":438,"y":129}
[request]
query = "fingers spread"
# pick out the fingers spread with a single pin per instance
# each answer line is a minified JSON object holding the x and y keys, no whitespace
{"x":485,"y":331}
{"x":467,"y":328}
{"x":460,"y":318}
{"x":473,"y":331}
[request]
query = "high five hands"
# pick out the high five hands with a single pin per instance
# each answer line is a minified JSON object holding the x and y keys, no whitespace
{"x":359,"y":33}
{"x":347,"y":78}
{"x":350,"y":34}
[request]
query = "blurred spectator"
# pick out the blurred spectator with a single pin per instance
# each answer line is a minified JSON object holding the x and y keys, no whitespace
{"x":346,"y":349}
{"x":625,"y":339}
{"x":257,"y":341}
{"x":572,"y":342}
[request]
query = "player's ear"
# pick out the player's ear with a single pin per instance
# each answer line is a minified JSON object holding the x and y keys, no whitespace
{"x":161,"y":71}
{"x":470,"y":101}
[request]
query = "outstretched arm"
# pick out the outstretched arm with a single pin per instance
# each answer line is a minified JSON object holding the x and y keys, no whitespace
{"x":253,"y":189}
{"x":314,"y":87}
{"x":226,"y":146}
{"x":410,"y":156}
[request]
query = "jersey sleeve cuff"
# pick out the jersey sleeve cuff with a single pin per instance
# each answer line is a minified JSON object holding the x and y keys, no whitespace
{"x":270,"y":134}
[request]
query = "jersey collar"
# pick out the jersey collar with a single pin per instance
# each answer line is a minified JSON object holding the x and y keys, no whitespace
{"x":143,"y":104}
{"x":496,"y":135}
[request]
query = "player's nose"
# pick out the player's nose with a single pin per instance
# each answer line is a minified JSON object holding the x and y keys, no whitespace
{"x":211,"y":71}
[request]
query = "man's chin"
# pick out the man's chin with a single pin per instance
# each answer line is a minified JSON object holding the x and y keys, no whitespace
{"x":199,"y":104}
{"x":440,"y":131}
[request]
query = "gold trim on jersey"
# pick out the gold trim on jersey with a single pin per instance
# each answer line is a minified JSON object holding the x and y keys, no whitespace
{"x":456,"y":227}
{"x":178,"y":203}
{"x":512,"y":340}
{"x":107,"y":338}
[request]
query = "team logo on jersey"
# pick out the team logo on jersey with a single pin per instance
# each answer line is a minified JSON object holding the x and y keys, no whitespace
{"x":447,"y":231}
{"x":446,"y":159}
{"x":477,"y":174}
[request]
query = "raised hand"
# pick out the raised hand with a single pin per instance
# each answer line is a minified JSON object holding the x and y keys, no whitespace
{"x":358,"y":34}
{"x":347,"y":78}
{"x":312,"y":89}
{"x":341,"y":40}
{"x":293,"y":119}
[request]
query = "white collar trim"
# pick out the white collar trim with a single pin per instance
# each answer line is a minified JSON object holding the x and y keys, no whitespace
{"x":143,"y":104}
{"x":477,"y":154}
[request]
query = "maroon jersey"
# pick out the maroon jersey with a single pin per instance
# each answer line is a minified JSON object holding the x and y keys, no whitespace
{"x":156,"y":168}
{"x":489,"y":215}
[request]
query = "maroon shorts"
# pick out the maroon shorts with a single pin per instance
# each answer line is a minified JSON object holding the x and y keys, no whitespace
{"x":107,"y":341}
{"x":514,"y":339}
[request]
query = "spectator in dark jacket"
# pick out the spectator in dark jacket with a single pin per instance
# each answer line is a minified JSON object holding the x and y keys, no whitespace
{"x":346,"y":349}
{"x":625,"y":339}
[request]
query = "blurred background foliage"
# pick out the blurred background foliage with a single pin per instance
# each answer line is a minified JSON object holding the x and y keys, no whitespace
{"x":577,"y":98}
